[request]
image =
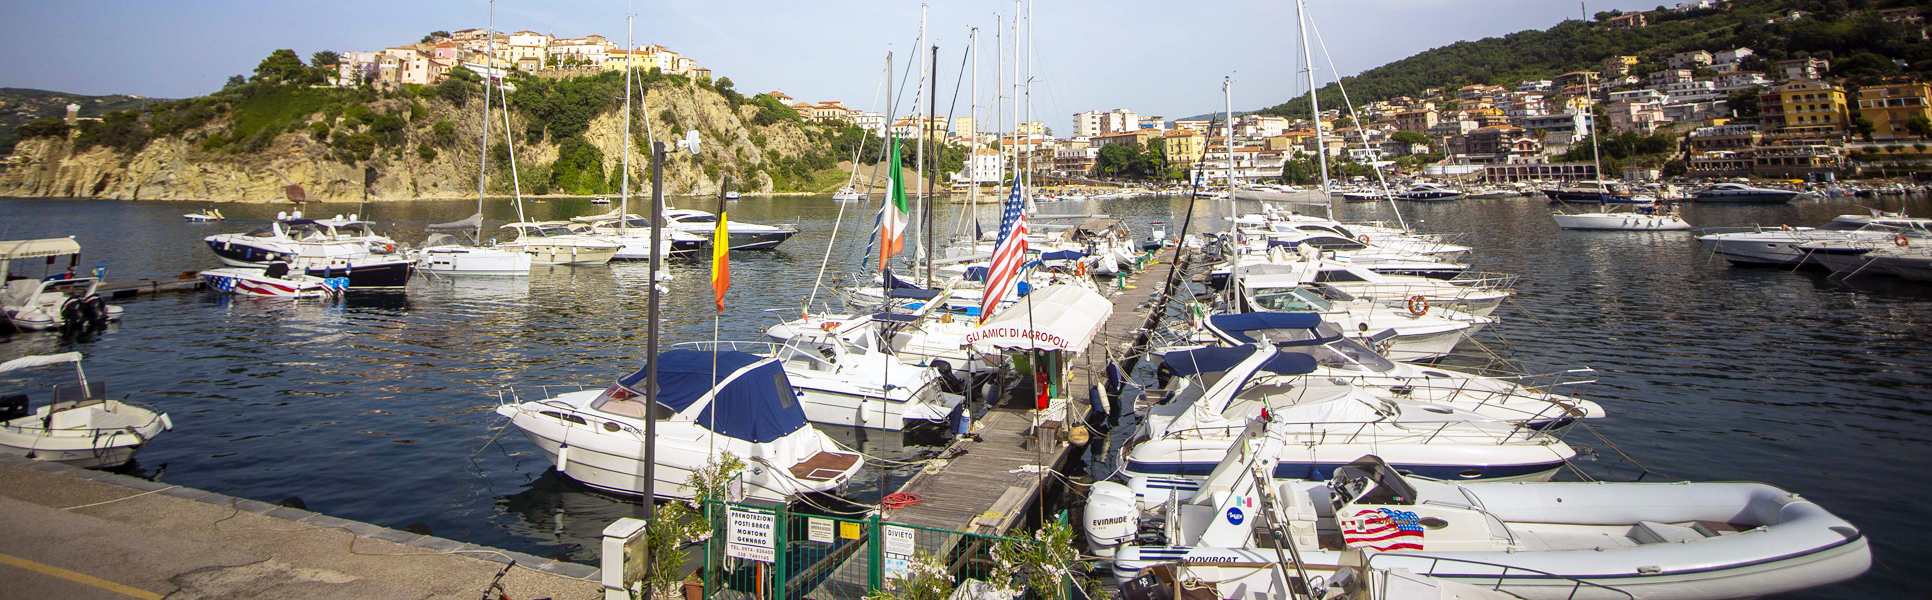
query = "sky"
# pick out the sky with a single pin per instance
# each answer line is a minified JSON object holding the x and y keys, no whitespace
{"x":1155,"y":58}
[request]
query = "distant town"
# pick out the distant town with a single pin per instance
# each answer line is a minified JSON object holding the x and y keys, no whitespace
{"x":1500,"y":132}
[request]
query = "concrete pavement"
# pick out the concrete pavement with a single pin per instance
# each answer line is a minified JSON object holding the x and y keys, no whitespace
{"x":72,"y":533}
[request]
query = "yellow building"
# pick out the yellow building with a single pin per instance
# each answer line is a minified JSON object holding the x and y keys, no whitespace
{"x":1807,"y":107}
{"x":1184,"y":147}
{"x":1890,"y":107}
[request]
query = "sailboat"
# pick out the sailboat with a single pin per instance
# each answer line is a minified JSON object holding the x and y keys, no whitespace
{"x":547,"y":242}
{"x":1646,"y":213}
{"x":635,"y":235}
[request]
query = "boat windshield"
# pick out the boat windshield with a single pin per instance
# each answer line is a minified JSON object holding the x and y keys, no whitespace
{"x":698,"y":219}
{"x":624,"y":403}
{"x":306,"y":232}
{"x":548,"y":231}
{"x":1345,"y":355}
{"x":1289,"y":300}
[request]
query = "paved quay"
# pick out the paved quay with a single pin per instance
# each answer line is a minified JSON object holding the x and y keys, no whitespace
{"x":75,"y":533}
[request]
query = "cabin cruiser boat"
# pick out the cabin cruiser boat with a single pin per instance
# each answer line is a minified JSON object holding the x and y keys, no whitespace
{"x":708,"y":404}
{"x":1740,"y":193}
{"x":554,"y":243}
{"x":52,"y":300}
{"x":849,"y":380}
{"x":1266,"y":193}
{"x":444,"y":254}
{"x":1377,"y":259}
{"x":1474,"y":293}
{"x":1284,"y":227}
{"x":1587,"y":192}
{"x":1234,"y":393}
{"x":1428,"y":192}
{"x":339,"y":247}
{"x":1784,"y":246}
{"x":1364,"y":195}
{"x":79,"y":426}
{"x":1675,"y":541}
{"x":1643,"y":217}
{"x":744,"y":236}
{"x":1913,"y":263}
{"x":273,"y":282}
{"x":1422,"y":333}
{"x":206,"y":215}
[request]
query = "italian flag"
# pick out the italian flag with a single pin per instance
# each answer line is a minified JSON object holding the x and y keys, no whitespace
{"x":892,"y":221}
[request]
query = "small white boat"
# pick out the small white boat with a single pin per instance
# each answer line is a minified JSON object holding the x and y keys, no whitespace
{"x":553,"y":243}
{"x":731,"y":195}
{"x":80,"y":425}
{"x":275,"y":281}
{"x":847,"y":194}
{"x":600,"y":200}
{"x":444,"y":254}
{"x":206,"y":215}
{"x":53,"y":299}
{"x":708,"y":404}
{"x":1663,"y":541}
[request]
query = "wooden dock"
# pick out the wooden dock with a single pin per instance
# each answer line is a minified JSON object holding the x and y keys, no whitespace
{"x":137,"y":287}
{"x":993,"y":482}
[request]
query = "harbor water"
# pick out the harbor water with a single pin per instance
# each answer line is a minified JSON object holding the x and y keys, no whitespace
{"x":377,"y":408}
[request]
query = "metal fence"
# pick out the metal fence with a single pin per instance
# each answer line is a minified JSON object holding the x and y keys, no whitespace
{"x":765,"y":552}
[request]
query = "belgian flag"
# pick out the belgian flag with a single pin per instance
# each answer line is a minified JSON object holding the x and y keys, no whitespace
{"x":721,"y":252}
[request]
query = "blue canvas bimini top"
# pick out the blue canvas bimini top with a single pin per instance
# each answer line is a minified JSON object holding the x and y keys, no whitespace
{"x":747,"y":397}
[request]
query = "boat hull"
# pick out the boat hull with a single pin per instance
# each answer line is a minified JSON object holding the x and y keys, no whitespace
{"x":466,"y":260}
{"x":1621,"y":222}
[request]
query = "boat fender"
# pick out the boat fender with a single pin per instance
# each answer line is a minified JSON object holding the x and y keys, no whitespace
{"x":1418,"y":305}
{"x":1901,"y":241}
{"x":563,"y":458}
{"x":1364,"y":238}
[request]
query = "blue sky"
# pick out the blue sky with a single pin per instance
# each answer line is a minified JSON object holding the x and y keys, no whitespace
{"x":1158,"y":58}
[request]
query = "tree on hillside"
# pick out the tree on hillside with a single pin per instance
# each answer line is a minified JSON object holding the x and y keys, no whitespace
{"x":435,"y":35}
{"x":280,"y":66}
{"x":1919,"y":126}
{"x":324,"y":58}
{"x":1410,"y":137}
{"x":235,"y":80}
{"x":1863,"y":127}
{"x":1744,"y":103}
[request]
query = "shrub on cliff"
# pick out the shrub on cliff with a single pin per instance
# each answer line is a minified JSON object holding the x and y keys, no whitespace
{"x":43,"y":128}
{"x":120,"y":130}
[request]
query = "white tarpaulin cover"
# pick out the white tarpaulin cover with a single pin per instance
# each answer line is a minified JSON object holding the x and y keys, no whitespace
{"x":41,"y":360}
{"x":12,"y":249}
{"x":1060,"y":317}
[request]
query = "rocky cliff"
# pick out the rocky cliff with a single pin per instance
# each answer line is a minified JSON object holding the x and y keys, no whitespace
{"x":415,"y":161}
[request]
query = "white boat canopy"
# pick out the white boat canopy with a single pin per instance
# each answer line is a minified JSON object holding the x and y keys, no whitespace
{"x":12,"y":249}
{"x":40,"y":361}
{"x":1060,"y":317}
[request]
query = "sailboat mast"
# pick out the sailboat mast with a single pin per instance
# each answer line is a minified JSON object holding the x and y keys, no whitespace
{"x":483,"y":153}
{"x":1029,"y":103}
{"x":1227,"y":96}
{"x":932,"y":107}
{"x":1314,"y":102}
{"x":972,"y":137}
{"x":1234,"y":225}
{"x":624,"y":200}
{"x":999,"y":77}
{"x":919,"y":155}
{"x":1016,"y":100}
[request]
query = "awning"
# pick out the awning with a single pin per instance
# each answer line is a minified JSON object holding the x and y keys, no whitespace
{"x":1060,"y":317}
{"x":745,"y":396}
{"x":12,"y":249}
{"x":1280,"y":329}
{"x":40,"y":360}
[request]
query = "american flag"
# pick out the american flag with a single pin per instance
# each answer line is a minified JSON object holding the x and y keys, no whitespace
{"x":1008,"y":255}
{"x":1383,"y":529}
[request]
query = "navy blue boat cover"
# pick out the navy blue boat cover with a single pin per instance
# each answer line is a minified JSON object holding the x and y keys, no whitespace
{"x":1281,"y":328}
{"x":1217,"y":359}
{"x":1063,"y":255}
{"x":756,"y":405}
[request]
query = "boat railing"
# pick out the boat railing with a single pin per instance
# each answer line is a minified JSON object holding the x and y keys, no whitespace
{"x":1488,"y":280}
{"x":608,"y":422}
{"x":1357,"y":432}
{"x":1576,"y":585}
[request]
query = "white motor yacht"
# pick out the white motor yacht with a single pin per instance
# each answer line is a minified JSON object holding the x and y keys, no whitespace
{"x":1784,"y":246}
{"x":1423,"y":334}
{"x":337,"y":247}
{"x":1641,"y":218}
{"x":79,"y":425}
{"x":444,"y":254}
{"x":744,"y":236}
{"x":1740,"y":193}
{"x":1474,"y":293}
{"x":1428,"y":192}
{"x":553,"y":243}
{"x":635,"y":233}
{"x":708,"y":404}
{"x":50,"y":300}
{"x":847,"y":194}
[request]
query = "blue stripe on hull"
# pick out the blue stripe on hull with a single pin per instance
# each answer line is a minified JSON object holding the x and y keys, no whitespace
{"x":1320,"y":471}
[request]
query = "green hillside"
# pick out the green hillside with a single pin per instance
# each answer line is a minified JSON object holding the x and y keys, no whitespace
{"x":20,"y":106}
{"x":1849,"y":33}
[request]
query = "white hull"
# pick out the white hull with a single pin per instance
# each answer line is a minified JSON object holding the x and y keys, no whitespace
{"x":105,"y":435}
{"x":1621,"y":222}
{"x":471,"y":260}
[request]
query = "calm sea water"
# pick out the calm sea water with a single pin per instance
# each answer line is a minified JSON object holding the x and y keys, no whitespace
{"x":377,"y":408}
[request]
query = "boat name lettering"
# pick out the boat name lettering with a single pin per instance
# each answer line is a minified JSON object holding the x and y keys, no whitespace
{"x":1025,"y":334}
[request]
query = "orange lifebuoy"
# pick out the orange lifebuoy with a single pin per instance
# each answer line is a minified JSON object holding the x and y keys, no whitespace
{"x":1080,"y":269}
{"x":1418,"y":305}
{"x":1901,"y":241}
{"x":1364,"y":238}
{"x":829,"y":326}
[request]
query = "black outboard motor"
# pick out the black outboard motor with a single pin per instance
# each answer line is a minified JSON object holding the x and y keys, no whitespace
{"x":13,"y":406}
{"x":948,"y":380}
{"x":70,"y":313}
{"x":94,"y":310}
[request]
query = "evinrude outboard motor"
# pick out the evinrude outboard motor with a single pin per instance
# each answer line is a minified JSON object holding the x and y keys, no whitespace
{"x":94,"y":310}
{"x":70,"y":313}
{"x":1113,"y":517}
